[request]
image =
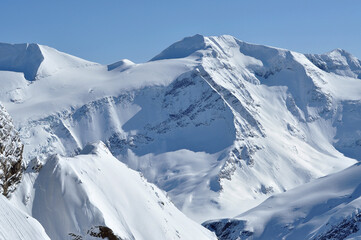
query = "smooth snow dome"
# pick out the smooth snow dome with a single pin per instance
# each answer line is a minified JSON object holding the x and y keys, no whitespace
{"x":121,"y":65}
{"x":55,"y":61}
{"x":183,"y":48}
{"x":35,"y":61}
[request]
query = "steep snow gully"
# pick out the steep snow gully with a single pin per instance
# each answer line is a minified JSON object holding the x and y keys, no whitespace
{"x":218,"y":124}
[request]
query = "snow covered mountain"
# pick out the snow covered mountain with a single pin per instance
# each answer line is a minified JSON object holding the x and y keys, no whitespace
{"x":17,"y":225}
{"x":217,"y":123}
{"x":14,"y":223}
{"x":337,"y":61}
{"x":93,"y":193}
{"x":90,"y":196}
{"x":36,"y":61}
{"x":326,"y":208}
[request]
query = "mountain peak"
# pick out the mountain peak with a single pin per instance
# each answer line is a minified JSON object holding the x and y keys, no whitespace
{"x":182,"y":48}
{"x":24,"y":57}
{"x":35,"y":60}
{"x":338,"y":51}
{"x":225,"y":45}
{"x":121,"y":65}
{"x":337,"y":61}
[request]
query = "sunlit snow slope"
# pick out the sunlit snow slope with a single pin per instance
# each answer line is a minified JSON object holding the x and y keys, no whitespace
{"x":17,"y":225}
{"x":326,"y":208}
{"x":217,"y":123}
{"x":72,"y":196}
{"x":36,"y":61}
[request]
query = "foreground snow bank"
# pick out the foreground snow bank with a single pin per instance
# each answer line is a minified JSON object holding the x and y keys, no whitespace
{"x":75,"y":195}
{"x":17,"y":225}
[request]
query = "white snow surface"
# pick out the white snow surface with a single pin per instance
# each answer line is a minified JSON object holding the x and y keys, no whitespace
{"x":121,"y":65}
{"x":326,"y":208}
{"x":218,"y":123}
{"x":72,"y":195}
{"x":36,"y":61}
{"x":17,"y":225}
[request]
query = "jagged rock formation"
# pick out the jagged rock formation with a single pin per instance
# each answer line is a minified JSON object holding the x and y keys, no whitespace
{"x":97,"y":232}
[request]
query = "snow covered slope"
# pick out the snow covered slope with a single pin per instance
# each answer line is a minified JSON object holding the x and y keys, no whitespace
{"x":326,"y":208}
{"x":17,"y":225}
{"x":216,"y":122}
{"x":71,"y":197}
{"x":121,"y":65}
{"x":36,"y":61}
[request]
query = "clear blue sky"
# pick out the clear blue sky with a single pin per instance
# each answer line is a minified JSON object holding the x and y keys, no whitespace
{"x":105,"y":31}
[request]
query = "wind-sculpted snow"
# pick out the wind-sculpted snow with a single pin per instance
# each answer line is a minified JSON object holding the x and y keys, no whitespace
{"x":17,"y":225}
{"x":35,"y":61}
{"x":218,"y":123}
{"x":183,"y":48}
{"x":326,"y":208}
{"x":72,"y":196}
{"x":121,"y":65}
{"x":25,"y":58}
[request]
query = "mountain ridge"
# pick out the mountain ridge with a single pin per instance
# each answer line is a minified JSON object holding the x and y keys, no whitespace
{"x":70,"y":196}
{"x":223,"y":126}
{"x":35,"y":60}
{"x":325,"y":208}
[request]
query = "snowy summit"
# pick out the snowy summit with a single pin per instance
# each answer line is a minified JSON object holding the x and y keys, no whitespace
{"x":207,"y":129}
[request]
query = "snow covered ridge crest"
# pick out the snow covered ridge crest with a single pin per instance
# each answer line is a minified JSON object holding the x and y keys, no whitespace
{"x":36,"y":61}
{"x":93,"y":194}
{"x":337,"y":61}
{"x":326,"y":208}
{"x":218,"y":123}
